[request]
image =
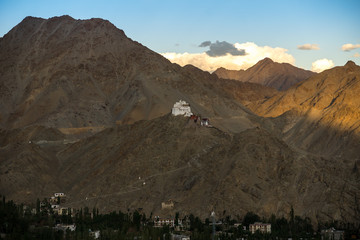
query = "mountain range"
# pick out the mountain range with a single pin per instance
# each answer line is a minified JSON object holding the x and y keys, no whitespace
{"x":85,"y":110}
{"x":280,"y":76}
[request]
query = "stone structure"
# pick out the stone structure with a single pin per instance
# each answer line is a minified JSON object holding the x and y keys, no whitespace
{"x":167,"y":205}
{"x":181,"y":108}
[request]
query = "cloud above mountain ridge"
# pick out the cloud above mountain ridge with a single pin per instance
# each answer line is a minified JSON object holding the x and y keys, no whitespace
{"x":221,"y":58}
{"x":218,"y":49}
{"x":321,"y":65}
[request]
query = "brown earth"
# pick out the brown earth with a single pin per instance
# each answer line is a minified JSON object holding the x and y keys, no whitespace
{"x":67,"y":73}
{"x":199,"y":168}
{"x":321,"y":114}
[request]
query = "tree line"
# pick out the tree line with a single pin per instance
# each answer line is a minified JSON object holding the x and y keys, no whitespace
{"x":20,"y":222}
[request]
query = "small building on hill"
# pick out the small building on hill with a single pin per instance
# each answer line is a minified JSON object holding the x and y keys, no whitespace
{"x":205,"y":122}
{"x":167,"y":205}
{"x":181,"y":108}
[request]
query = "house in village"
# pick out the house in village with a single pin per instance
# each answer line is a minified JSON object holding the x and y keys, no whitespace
{"x":332,"y":234}
{"x":262,"y":227}
{"x":55,"y":207}
{"x":181,"y":108}
{"x":61,"y":211}
{"x":160,"y":222}
{"x":53,"y":200}
{"x":58,"y":198}
{"x":59,"y":194}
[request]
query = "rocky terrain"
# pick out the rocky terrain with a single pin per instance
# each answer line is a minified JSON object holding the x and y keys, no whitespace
{"x":86,"y":111}
{"x":172,"y":158}
{"x":280,"y":76}
{"x":68,"y":73}
{"x":321,"y":114}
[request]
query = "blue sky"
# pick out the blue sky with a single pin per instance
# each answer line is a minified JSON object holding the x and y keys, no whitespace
{"x":174,"y":27}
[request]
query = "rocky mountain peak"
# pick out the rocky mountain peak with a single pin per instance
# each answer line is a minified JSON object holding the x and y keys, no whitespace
{"x":266,"y":61}
{"x":350,"y":63}
{"x":351,"y":66}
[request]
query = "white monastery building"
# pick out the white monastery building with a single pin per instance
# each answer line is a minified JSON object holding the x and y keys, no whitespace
{"x":181,"y":108}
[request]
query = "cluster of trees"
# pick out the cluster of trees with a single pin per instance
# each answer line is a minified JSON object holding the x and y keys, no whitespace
{"x":20,"y":222}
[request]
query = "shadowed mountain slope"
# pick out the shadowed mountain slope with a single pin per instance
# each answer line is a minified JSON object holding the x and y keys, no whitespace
{"x":280,"y":76}
{"x":200,"y":169}
{"x":320,"y":114}
{"x":62,"y":72}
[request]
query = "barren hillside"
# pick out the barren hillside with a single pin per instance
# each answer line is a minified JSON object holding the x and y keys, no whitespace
{"x":172,"y":158}
{"x":86,"y":111}
{"x":320,"y":114}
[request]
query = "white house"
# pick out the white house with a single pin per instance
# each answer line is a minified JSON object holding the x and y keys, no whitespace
{"x":181,"y":108}
{"x":160,"y":222}
{"x":55,"y":206}
{"x":332,"y":233}
{"x":205,"y":122}
{"x":59,"y":195}
{"x":262,"y":227}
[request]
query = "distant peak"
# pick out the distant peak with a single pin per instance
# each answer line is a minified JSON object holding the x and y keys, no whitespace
{"x":63,"y":17}
{"x":221,"y":69}
{"x":266,"y":60}
{"x":350,"y":64}
{"x":31,"y":18}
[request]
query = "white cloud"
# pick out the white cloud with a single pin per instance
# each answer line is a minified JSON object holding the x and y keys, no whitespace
{"x":254,"y":54}
{"x":321,"y":65}
{"x":348,"y":47}
{"x":308,"y":46}
{"x":356,"y":55}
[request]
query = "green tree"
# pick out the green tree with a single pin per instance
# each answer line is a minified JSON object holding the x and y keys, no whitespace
{"x":177,"y":219}
{"x":250,"y":218}
{"x":38,"y":206}
{"x":136,"y":220}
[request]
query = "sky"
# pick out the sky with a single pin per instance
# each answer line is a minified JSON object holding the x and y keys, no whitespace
{"x":235,"y":34}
